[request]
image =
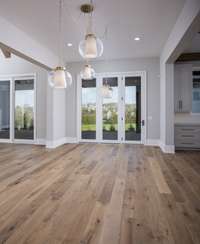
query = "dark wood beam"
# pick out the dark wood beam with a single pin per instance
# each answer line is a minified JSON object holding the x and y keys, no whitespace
{"x":186,"y":57}
{"x":6,"y":53}
{"x":23,"y":56}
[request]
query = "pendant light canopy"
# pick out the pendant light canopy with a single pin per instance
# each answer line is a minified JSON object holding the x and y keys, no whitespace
{"x":60,"y":78}
{"x":91,"y":47}
{"x":88,"y":72}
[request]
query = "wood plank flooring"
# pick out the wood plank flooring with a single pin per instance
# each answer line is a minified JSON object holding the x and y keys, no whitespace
{"x":98,"y":194}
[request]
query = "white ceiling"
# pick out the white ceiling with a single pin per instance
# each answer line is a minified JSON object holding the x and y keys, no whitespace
{"x":152,"y":20}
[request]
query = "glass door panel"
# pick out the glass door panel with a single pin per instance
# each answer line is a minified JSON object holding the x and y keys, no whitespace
{"x":5,"y":109}
{"x":110,"y":110}
{"x":88,"y":109}
{"x":132,"y":108}
{"x":24,"y":109}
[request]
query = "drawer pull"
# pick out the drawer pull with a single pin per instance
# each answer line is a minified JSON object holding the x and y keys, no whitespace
{"x":187,"y":143}
{"x":187,"y":129}
{"x":188,"y":136}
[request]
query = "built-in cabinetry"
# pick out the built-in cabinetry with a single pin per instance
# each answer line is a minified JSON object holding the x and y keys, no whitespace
{"x":186,"y":106}
{"x":187,"y":136}
{"x":183,"y":88}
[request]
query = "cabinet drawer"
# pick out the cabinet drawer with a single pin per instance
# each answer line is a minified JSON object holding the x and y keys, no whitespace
{"x":187,"y":136}
{"x":187,"y":143}
{"x":187,"y":129}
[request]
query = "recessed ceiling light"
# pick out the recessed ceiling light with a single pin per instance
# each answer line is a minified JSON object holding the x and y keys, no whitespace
{"x":137,"y":38}
{"x":69,"y":44}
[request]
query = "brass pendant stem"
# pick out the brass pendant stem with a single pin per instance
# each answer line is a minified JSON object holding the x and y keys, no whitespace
{"x":87,"y":8}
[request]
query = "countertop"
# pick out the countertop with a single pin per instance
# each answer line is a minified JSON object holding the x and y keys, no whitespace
{"x":186,"y":119}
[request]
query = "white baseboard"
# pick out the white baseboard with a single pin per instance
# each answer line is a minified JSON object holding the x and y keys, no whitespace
{"x":5,"y":141}
{"x":40,"y":141}
{"x":61,"y":141}
{"x":31,"y":142}
{"x":152,"y":142}
{"x":64,"y":140}
{"x":55,"y":143}
{"x":71,"y":140}
{"x":167,"y":148}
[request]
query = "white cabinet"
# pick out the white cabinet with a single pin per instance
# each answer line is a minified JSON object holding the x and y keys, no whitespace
{"x":183,"y":88}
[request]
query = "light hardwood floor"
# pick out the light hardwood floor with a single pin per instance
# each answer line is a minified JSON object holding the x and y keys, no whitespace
{"x":98,"y":194}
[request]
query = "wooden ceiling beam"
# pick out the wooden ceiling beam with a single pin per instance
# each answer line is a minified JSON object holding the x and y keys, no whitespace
{"x":6,"y":53}
{"x":187,"y":57}
{"x":23,"y":56}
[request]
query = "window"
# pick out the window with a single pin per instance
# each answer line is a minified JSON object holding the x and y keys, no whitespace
{"x":196,"y":92}
{"x":24,"y":109}
{"x":133,"y":108}
{"x":88,"y":117}
{"x":4,"y":109}
{"x":110,"y":111}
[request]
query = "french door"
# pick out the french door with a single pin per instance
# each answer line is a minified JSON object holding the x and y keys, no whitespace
{"x":5,"y":111}
{"x":17,"y":109}
{"x":117,"y":118}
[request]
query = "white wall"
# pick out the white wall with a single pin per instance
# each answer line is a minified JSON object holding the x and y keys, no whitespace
{"x":17,"y":65}
{"x":150,"y":65}
{"x":56,"y":117}
{"x":59,"y":114}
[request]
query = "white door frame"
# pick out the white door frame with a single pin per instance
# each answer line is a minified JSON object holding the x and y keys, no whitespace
{"x":12,"y":79}
{"x":121,"y":93}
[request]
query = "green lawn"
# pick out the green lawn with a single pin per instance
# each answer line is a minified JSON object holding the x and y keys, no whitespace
{"x":89,"y":127}
{"x":92,"y":127}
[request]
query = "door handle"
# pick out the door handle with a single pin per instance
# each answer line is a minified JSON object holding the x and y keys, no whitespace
{"x":180,"y":105}
{"x":143,"y":122}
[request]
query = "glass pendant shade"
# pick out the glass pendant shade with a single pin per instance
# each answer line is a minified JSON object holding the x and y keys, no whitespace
{"x":60,"y":78}
{"x":91,"y":47}
{"x":106,"y":91}
{"x":87,"y":73}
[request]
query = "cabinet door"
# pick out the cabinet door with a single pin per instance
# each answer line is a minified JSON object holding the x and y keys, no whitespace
{"x":186,"y":88}
{"x":177,"y":84}
{"x":183,"y":87}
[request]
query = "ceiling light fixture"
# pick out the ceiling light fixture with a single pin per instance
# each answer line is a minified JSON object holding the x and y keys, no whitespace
{"x":69,"y":44}
{"x":137,"y":38}
{"x":60,"y":78}
{"x":88,"y":72}
{"x":91,"y":47}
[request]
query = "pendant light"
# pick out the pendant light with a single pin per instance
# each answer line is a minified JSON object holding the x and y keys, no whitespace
{"x":60,"y":78}
{"x":91,"y":47}
{"x":88,"y":72}
{"x":106,"y":90}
